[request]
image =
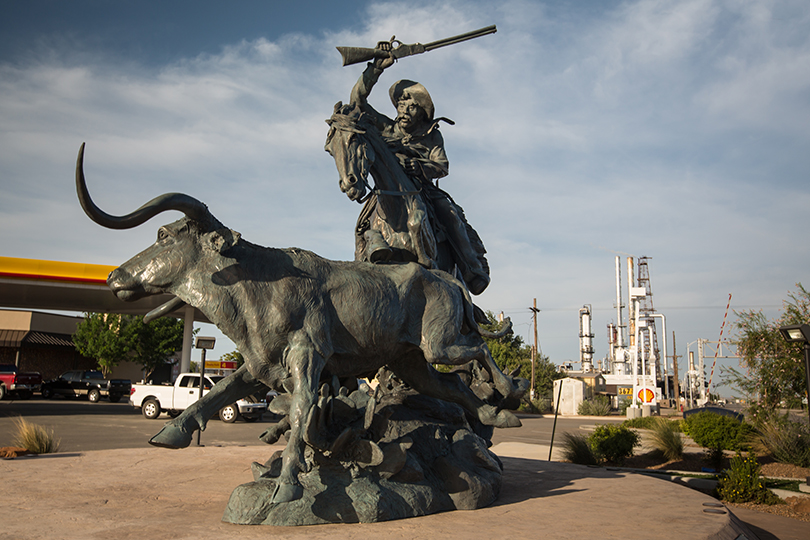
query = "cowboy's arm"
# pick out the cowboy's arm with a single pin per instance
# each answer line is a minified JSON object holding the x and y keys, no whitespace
{"x":370,"y":76}
{"x":436,"y":166}
{"x":362,"y":89}
{"x":433,"y":162}
{"x":364,"y":84}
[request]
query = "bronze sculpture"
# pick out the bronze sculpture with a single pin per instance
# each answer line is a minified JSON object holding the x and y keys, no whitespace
{"x":309,"y":327}
{"x":301,"y":320}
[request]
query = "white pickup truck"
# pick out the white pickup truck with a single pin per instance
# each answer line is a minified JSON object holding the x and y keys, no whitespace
{"x":153,"y":399}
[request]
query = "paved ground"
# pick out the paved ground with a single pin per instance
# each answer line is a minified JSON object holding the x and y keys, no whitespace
{"x":177,"y":494}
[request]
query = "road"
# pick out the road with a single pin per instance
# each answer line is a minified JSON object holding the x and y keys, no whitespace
{"x":84,"y":426}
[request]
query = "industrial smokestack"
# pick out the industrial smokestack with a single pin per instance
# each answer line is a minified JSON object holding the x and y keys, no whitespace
{"x":619,"y":316}
{"x":631,"y":316}
{"x":585,"y":338}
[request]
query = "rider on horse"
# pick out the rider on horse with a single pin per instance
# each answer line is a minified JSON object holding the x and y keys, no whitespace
{"x":415,"y":139}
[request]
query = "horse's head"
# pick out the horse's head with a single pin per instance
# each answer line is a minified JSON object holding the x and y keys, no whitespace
{"x":347,"y":144}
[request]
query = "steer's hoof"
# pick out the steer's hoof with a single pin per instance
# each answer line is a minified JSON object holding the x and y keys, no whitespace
{"x":287,"y":493}
{"x":506,"y":419}
{"x":171,"y":436}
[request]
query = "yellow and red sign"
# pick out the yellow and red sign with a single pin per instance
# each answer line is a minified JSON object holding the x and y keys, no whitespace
{"x":646,"y":395}
{"x":216,"y":364}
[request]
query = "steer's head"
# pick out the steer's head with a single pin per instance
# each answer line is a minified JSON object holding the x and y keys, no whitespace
{"x":178,"y":256}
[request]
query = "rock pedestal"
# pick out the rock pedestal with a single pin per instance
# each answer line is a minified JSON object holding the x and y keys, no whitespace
{"x":400,"y":455}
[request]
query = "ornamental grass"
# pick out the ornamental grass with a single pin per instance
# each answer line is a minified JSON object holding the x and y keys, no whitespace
{"x":35,"y":438}
{"x":666,"y":438}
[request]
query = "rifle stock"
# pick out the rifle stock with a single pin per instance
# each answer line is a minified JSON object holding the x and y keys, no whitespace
{"x":355,"y":55}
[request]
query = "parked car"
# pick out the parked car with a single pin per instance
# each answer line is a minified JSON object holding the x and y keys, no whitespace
{"x":22,"y":385}
{"x":92,"y":384}
{"x":154,"y":399}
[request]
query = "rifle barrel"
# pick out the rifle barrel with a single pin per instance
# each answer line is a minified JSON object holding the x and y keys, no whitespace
{"x":461,"y":37}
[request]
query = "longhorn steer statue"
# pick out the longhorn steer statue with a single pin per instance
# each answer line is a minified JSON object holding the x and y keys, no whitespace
{"x":295,"y":315}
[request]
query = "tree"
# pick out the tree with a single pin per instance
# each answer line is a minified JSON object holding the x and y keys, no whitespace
{"x":104,"y":337}
{"x":510,"y":353}
{"x":110,"y":338}
{"x":233,"y":356}
{"x":545,"y":373}
{"x":155,"y":342}
{"x":775,"y":368}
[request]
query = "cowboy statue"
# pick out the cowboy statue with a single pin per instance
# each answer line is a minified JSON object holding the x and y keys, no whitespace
{"x":414,"y":137}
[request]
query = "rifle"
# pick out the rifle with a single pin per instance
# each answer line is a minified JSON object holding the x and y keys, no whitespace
{"x":355,"y":55}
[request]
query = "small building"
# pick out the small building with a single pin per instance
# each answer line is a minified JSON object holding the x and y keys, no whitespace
{"x":568,"y":394}
{"x":595,"y":383}
{"x":42,"y":342}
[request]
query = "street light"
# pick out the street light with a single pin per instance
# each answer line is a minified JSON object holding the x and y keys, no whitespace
{"x":800,"y":333}
{"x":204,"y":343}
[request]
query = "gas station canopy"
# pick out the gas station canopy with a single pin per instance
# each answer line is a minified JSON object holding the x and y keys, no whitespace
{"x":66,"y":286}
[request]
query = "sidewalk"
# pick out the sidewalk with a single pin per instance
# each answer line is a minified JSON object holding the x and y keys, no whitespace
{"x":181,"y":494}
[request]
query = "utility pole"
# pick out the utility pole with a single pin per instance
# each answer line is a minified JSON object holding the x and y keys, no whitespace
{"x":675,"y":382}
{"x":534,"y":311}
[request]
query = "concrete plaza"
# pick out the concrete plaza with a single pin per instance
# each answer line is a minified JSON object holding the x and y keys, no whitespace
{"x":181,"y":494}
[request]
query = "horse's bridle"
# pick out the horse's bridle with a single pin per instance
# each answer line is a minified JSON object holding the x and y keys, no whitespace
{"x":343,"y":122}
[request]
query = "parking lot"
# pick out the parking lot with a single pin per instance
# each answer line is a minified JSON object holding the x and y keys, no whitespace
{"x":84,"y":426}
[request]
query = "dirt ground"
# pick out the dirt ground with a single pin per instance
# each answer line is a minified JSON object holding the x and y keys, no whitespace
{"x":695,"y":462}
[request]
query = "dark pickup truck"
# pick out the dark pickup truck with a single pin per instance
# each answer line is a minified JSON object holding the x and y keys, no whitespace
{"x":16,"y":383}
{"x":87,"y":383}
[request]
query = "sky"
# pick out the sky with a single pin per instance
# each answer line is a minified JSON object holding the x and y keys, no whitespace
{"x":675,"y":130}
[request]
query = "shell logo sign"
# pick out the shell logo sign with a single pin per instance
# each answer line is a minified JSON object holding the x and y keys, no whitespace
{"x":646,"y":395}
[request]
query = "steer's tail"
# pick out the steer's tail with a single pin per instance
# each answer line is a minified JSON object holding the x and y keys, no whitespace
{"x":510,"y":387}
{"x":507,"y":327}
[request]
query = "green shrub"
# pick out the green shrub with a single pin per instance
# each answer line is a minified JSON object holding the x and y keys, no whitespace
{"x":787,"y":441}
{"x":35,"y":438}
{"x":613,"y":443}
{"x":598,"y":406}
{"x":577,"y":450}
{"x":718,"y":432}
{"x":540,"y":405}
{"x":666,"y":438}
{"x":741,"y":482}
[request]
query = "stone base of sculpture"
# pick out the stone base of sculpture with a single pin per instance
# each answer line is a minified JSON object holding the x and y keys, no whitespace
{"x":395,"y":455}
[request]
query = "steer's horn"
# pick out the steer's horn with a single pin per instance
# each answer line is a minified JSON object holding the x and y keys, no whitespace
{"x":163,"y":309}
{"x":190,"y":206}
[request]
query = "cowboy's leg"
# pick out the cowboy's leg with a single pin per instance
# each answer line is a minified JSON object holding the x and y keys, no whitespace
{"x":451,"y":217}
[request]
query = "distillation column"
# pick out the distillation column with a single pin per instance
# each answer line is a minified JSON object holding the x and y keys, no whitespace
{"x":585,"y":338}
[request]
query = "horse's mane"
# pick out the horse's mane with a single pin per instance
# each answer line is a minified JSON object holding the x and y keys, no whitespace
{"x":350,"y":117}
